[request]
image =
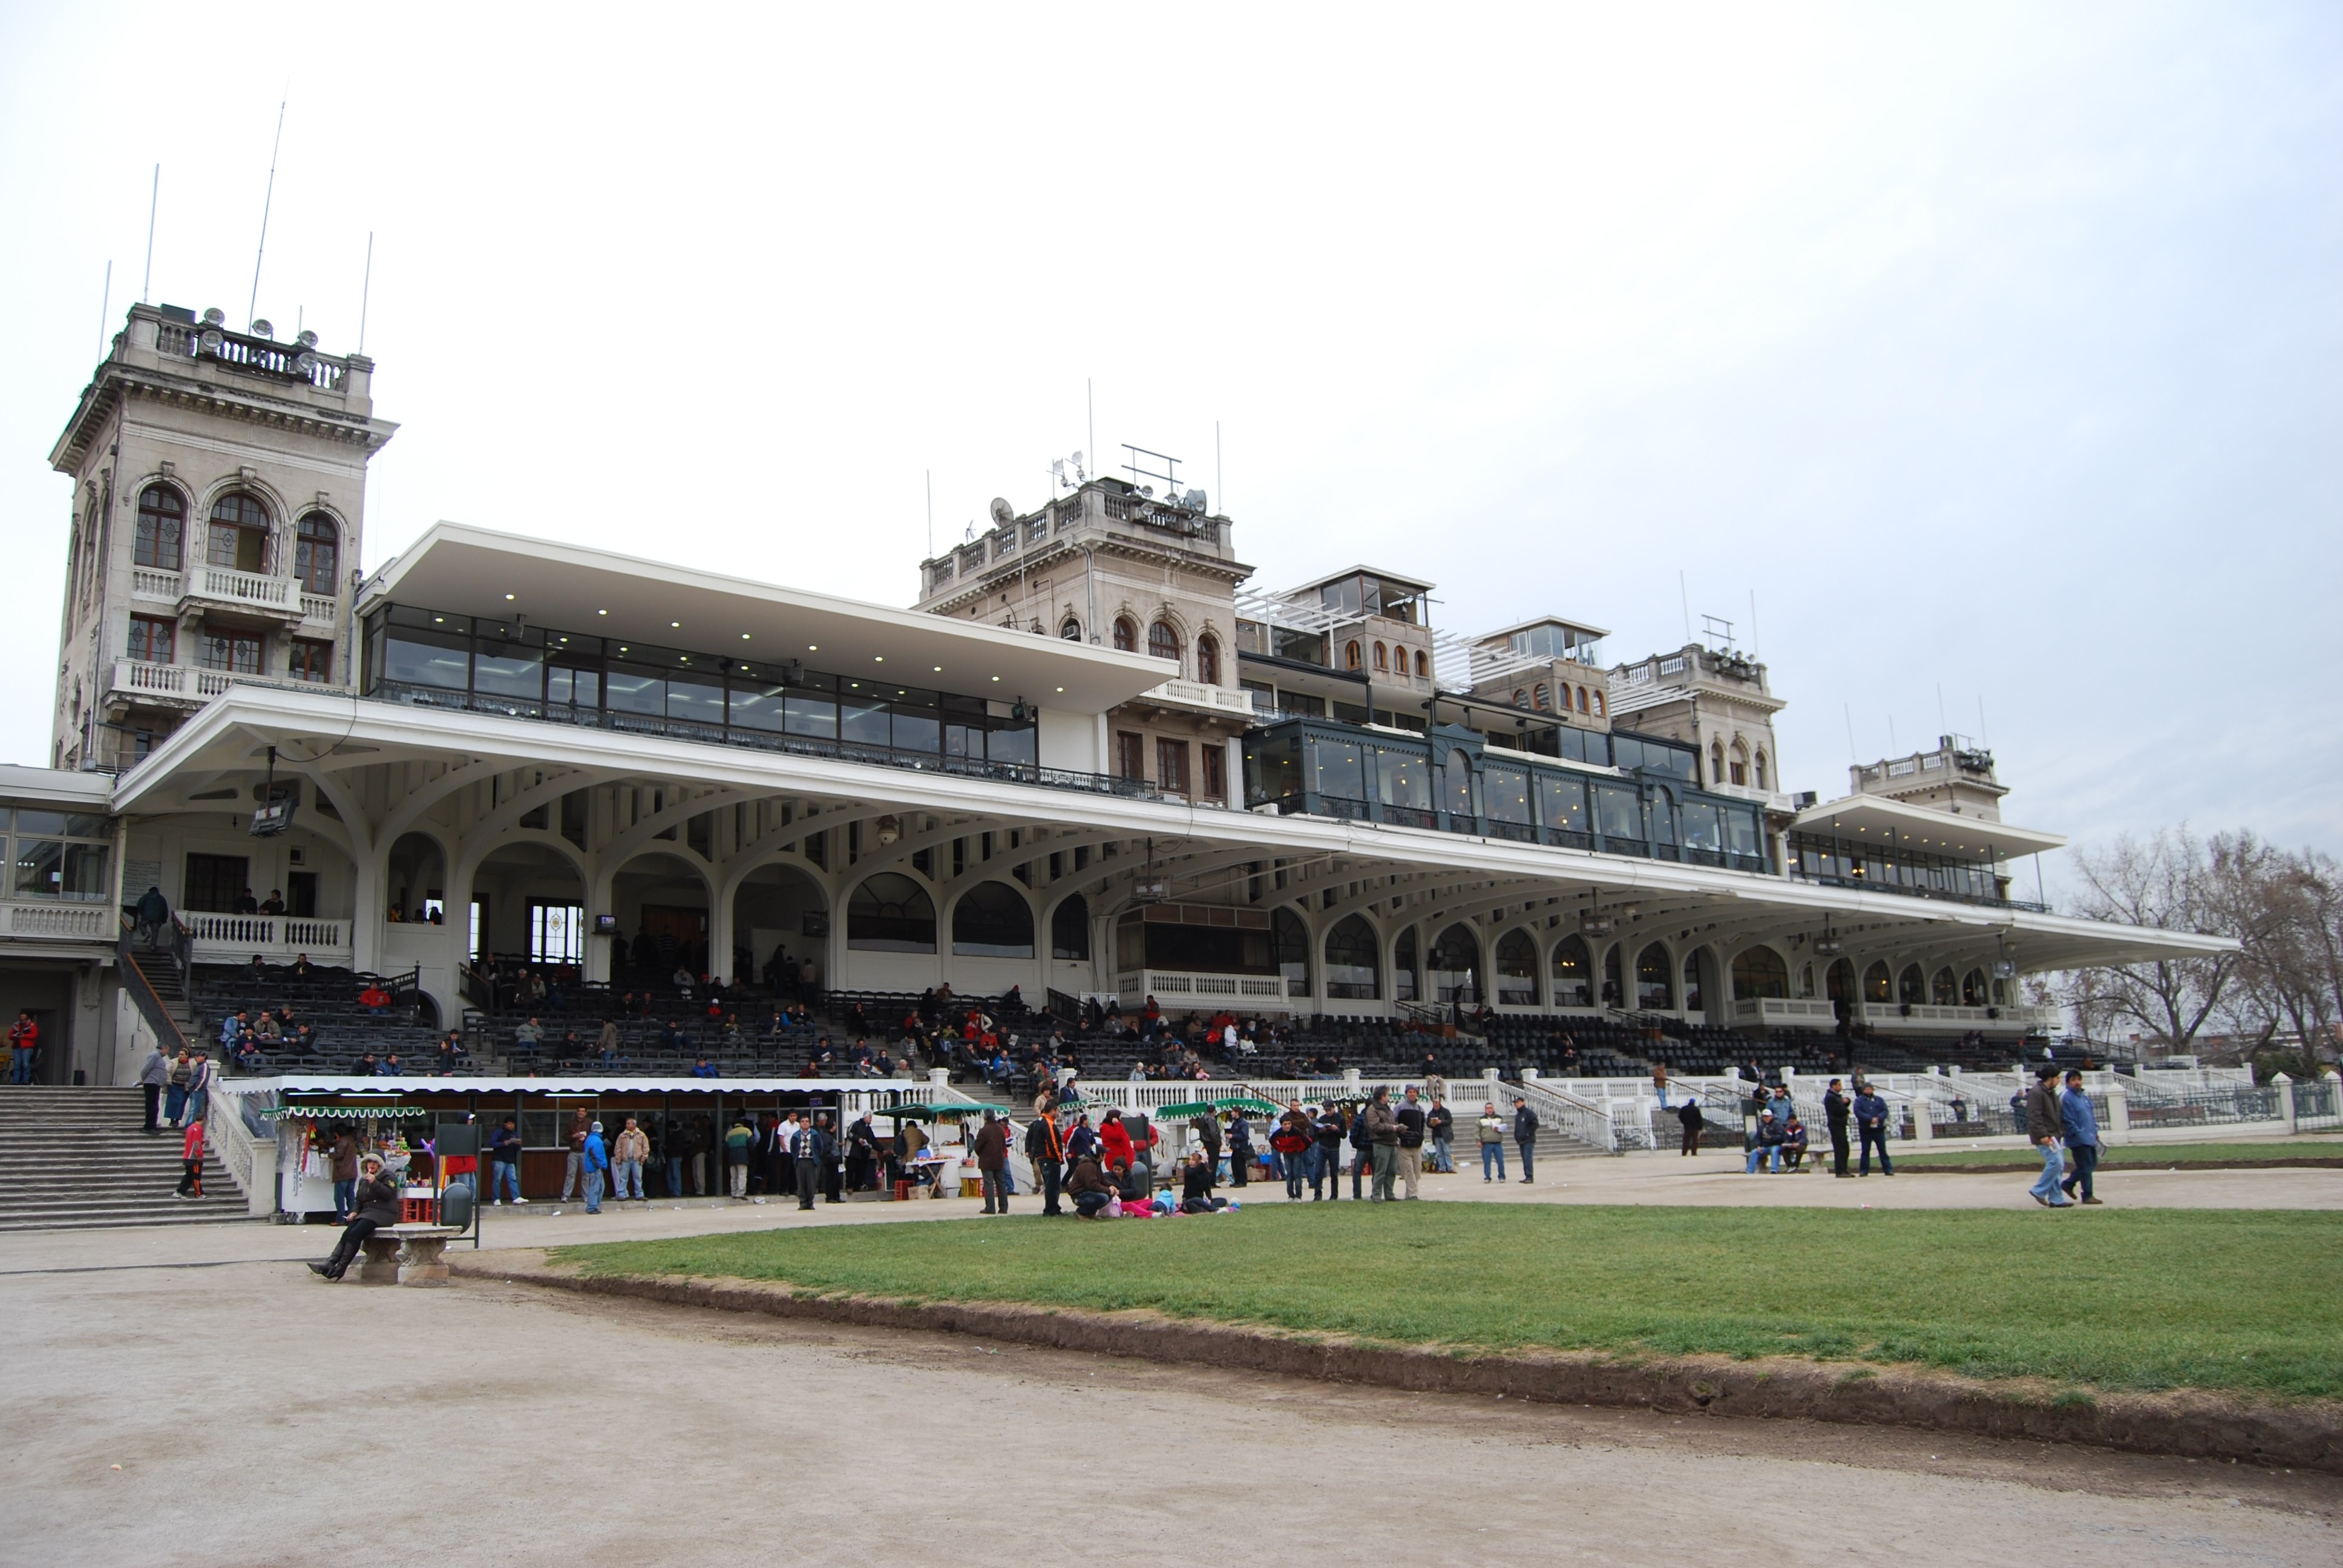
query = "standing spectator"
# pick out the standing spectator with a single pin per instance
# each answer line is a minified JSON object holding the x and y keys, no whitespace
{"x":1363,"y":1159}
{"x":200,"y":1074}
{"x":1412,"y":1121}
{"x":1326,"y":1160}
{"x":342,"y":1161}
{"x":377,"y":1205}
{"x":2081,"y":1126}
{"x":1525,"y":1129}
{"x":1047,"y":1151}
{"x":1239,"y":1148}
{"x":152,"y":1075}
{"x":504,"y":1163}
{"x":809,"y":1149}
{"x":1871,"y":1128}
{"x":1835,"y":1106}
{"x":175,"y":1102}
{"x":737,"y":1139}
{"x":992,"y":1162}
{"x":1688,"y":1117}
{"x":24,"y":1039}
{"x":191,"y":1161}
{"x":573,"y":1177}
{"x":672,"y":1150}
{"x":593,"y":1163}
{"x":2045,"y":1126}
{"x":627,"y":1156}
{"x":1208,"y":1134}
{"x":1383,"y":1133}
{"x":1293,"y":1143}
{"x":1439,"y":1127}
{"x":1492,"y":1129}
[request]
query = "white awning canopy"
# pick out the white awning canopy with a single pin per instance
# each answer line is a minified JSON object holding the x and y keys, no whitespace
{"x":1874,"y":819}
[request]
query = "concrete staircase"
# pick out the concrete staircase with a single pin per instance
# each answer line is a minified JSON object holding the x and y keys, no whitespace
{"x":163,"y":975}
{"x":75,"y":1159}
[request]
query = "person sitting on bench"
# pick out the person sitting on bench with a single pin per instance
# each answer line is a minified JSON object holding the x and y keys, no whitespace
{"x":378,"y":1205}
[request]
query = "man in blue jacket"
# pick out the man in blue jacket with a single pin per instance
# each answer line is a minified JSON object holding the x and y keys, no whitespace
{"x":596,"y":1165}
{"x":1871,"y":1127}
{"x":1525,"y":1131}
{"x":2082,"y":1125}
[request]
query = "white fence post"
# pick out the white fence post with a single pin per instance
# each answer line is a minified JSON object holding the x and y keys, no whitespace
{"x":2119,"y":1115}
{"x":2285,"y":1085}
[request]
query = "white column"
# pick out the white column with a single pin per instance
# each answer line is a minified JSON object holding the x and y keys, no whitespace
{"x":2285,"y":1085}
{"x":2118,"y":1128}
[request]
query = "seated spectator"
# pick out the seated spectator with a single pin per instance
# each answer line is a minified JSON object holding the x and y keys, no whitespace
{"x":673,"y":1039}
{"x":374,"y":998}
{"x":302,"y":1042}
{"x":1794,"y":1143}
{"x":1094,"y":1196}
{"x":451,"y":1053}
{"x":1769,"y":1142}
{"x":232,"y":1025}
{"x":1196,"y":1185}
{"x":246,"y":904}
{"x":301,"y":968}
{"x":275,"y":903}
{"x":528,"y":1037}
{"x":366,"y":1067}
{"x":390,"y":1067}
{"x":704,"y":1068}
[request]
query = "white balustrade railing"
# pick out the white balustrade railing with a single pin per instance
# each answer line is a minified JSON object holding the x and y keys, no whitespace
{"x":60,"y":917}
{"x":263,"y":933}
{"x":246,"y":588}
{"x":1137,"y":985}
{"x":152,"y":582}
{"x":320,"y":608}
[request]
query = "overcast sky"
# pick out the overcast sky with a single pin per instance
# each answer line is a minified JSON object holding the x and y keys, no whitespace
{"x":1994,"y":349}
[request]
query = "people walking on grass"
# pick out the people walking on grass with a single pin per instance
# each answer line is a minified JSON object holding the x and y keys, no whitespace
{"x":2080,"y":1124}
{"x":594,"y":1167}
{"x":992,"y":1162}
{"x":627,"y":1156}
{"x":1836,"y":1108}
{"x":375,"y":1206}
{"x":1688,"y":1117}
{"x":1871,"y":1128}
{"x":504,"y":1163}
{"x":1413,"y":1122}
{"x":1382,"y":1146}
{"x":2046,"y":1126}
{"x":154,"y":1074}
{"x":1525,"y":1128}
{"x":1490,"y":1129}
{"x":191,"y":1161}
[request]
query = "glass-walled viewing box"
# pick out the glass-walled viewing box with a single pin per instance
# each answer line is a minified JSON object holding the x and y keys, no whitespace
{"x":486,"y":666}
{"x":1449,"y":780}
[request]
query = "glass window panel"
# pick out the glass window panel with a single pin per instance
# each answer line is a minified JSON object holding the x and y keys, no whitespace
{"x":1339,"y":773}
{"x":636,"y":690}
{"x":963,"y":739}
{"x":696,"y":696}
{"x":1561,"y":802}
{"x":1740,"y":830}
{"x":1505,"y":794}
{"x":574,"y":688}
{"x":917,"y":730}
{"x":1618,"y":813}
{"x":1273,"y":770}
{"x":47,"y":822}
{"x":1456,"y":783}
{"x":1403,"y":778}
{"x":416,"y":656}
{"x":863,"y":721}
{"x":810,"y":713}
{"x":40,"y":866}
{"x":508,"y":669}
{"x":1703,"y":825}
{"x":79,"y":826}
{"x":1013,"y":745}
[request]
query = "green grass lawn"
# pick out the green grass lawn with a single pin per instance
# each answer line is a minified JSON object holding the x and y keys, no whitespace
{"x":2269,"y":1152}
{"x":2243,"y":1301}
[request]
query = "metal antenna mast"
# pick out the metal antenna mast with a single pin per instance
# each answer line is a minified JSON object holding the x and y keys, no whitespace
{"x":153,"y":196}
{"x":254,"y":305}
{"x":366,"y":290}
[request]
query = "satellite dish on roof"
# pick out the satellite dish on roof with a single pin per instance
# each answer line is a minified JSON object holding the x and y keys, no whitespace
{"x":1002,"y":512}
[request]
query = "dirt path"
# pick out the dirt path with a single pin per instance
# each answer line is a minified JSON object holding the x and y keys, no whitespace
{"x":261,"y":1417}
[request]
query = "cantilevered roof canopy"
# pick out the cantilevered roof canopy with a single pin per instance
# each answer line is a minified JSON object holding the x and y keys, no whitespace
{"x":569,"y":587}
{"x":1875,"y":819}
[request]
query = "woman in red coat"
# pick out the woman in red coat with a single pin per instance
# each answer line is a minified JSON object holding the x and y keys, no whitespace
{"x":1114,"y":1141}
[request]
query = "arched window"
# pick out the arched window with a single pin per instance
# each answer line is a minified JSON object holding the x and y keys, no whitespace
{"x":1615,"y":984}
{"x":1208,"y":659}
{"x":239,"y":535}
{"x":1839,"y":983}
{"x":1456,"y":967}
{"x":1943,"y":989}
{"x":1758,"y":776}
{"x":162,"y":523}
{"x":1353,"y":969}
{"x":1126,"y":635}
{"x":1581,"y":700}
{"x":1350,"y":655}
{"x":1691,"y":1001}
{"x":1973,"y":991}
{"x":1876,"y":985}
{"x":1521,"y":698}
{"x":1598,"y":705}
{"x":1073,"y":630}
{"x":1517,"y":969}
{"x":317,"y":553}
{"x":1653,"y":991}
{"x":1717,"y":762}
{"x":1404,"y":986}
{"x":1291,"y":937}
{"x":992,"y":921}
{"x":1736,"y":770}
{"x":1422,"y":665}
{"x":1162,"y":641}
{"x":1573,"y":973}
{"x":1910,"y":985}
{"x":1759,"y":973}
{"x":890,"y":913}
{"x":1382,"y":657}
{"x":1069,"y":930}
{"x":1545,"y":702}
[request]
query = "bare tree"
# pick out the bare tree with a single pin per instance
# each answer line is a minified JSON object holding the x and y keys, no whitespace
{"x":2166,"y":884}
{"x":2283,"y":908}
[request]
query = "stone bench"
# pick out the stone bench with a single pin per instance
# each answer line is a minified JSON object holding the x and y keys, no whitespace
{"x":407,"y":1255}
